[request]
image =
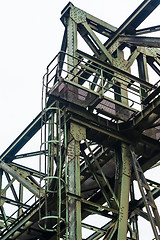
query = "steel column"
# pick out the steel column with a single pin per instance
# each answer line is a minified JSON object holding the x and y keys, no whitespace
{"x":143,"y":73}
{"x":124,"y":193}
{"x":76,"y":134}
{"x":72,"y":45}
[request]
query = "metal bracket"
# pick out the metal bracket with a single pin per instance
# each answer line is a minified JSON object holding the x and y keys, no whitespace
{"x":78,"y":15}
{"x":78,"y":132}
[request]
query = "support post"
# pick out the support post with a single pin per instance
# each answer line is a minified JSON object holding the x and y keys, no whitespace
{"x":76,"y":134}
{"x":71,"y":47}
{"x":143,"y":74}
{"x":20,"y":211}
{"x":124,"y":193}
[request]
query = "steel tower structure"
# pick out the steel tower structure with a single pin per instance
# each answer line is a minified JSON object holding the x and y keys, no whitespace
{"x":100,"y":132}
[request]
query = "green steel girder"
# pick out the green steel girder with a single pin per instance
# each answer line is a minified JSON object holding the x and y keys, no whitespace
{"x":147,"y":162}
{"x":95,"y":23}
{"x":93,"y":172}
{"x":136,"y":205}
{"x":9,"y":154}
{"x":4,"y":217}
{"x":100,"y":230}
{"x":146,"y":194}
{"x":134,"y":20}
{"x":150,"y":61}
{"x":29,"y":218}
{"x":102,"y":174}
{"x":12,"y":187}
{"x":12,"y":230}
{"x":85,"y":35}
{"x":129,"y":26}
{"x":112,"y":124}
{"x":146,"y":117}
{"x":95,"y":206}
{"x":30,"y":154}
{"x":97,"y":234}
{"x":99,"y":155}
{"x":32,"y":171}
{"x":109,"y":128}
{"x":142,"y":214}
{"x":22,"y":139}
{"x":141,"y":41}
{"x":114,"y":69}
{"x":62,"y":55}
{"x":147,"y":30}
{"x":32,"y":187}
{"x":139,"y":204}
{"x":3,"y":191}
{"x":95,"y":39}
{"x":15,"y":203}
{"x":21,"y":221}
{"x":152,"y":96}
{"x":100,"y":26}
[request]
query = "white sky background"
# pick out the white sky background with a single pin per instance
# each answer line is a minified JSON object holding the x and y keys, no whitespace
{"x":31,"y":35}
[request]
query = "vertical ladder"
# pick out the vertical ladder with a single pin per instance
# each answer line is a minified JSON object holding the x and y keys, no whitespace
{"x":147,"y":196}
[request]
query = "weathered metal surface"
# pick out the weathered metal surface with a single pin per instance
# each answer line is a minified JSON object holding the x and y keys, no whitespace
{"x":146,"y":195}
{"x":22,"y":179}
{"x":141,"y":41}
{"x":135,"y":19}
{"x":90,"y":171}
{"x":74,"y":207}
{"x":125,"y":177}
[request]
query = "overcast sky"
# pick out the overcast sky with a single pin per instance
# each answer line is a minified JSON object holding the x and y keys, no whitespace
{"x":31,"y":35}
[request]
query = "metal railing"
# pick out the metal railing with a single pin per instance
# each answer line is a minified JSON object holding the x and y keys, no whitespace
{"x":95,"y":77}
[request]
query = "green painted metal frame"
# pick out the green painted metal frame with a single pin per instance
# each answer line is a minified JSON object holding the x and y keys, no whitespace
{"x":103,"y":62}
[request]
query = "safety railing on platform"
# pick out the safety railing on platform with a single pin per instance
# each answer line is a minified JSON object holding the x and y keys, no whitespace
{"x":95,"y":86}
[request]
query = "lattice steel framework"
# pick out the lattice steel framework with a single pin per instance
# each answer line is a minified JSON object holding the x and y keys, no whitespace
{"x":100,"y":131}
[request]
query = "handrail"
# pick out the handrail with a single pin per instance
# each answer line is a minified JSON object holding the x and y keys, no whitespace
{"x":87,"y":68}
